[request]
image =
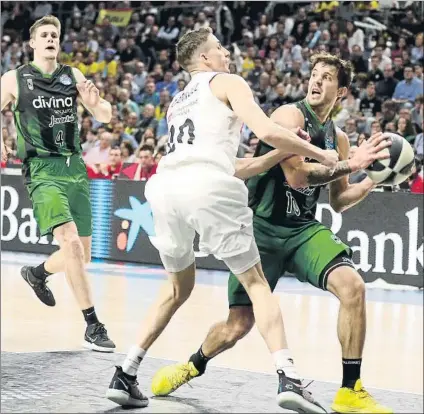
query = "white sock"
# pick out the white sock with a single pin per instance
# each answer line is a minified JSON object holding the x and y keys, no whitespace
{"x":133,"y":360}
{"x":284,"y":362}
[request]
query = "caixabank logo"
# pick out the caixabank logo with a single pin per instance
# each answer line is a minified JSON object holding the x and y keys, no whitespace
{"x":138,"y":217}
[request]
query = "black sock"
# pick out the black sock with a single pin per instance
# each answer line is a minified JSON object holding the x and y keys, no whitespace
{"x":351,"y":372}
{"x":200,"y":360}
{"x":40,"y":272}
{"x":90,"y":316}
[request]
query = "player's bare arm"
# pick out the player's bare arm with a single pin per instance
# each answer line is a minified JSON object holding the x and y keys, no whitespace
{"x":342,"y":194}
{"x":302,"y":174}
{"x":249,"y":167}
{"x":8,"y":94}
{"x":90,"y":98}
{"x":8,"y":88}
{"x":235,"y":92}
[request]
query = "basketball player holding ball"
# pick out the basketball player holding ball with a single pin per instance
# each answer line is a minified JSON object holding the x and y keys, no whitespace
{"x":289,"y":238}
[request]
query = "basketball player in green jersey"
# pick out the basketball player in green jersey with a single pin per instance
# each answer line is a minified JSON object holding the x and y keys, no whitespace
{"x":289,"y":238}
{"x":44,"y":95}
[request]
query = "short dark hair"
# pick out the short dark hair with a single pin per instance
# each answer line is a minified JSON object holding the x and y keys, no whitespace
{"x":147,"y":148}
{"x":344,"y":67}
{"x":189,"y":43}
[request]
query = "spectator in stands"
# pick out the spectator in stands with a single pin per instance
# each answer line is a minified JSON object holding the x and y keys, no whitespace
{"x":351,"y":131}
{"x":109,"y":170}
{"x":408,"y":89}
{"x":375,"y":127}
{"x":418,"y":70}
{"x":416,"y":180}
{"x":357,"y":59}
{"x":382,"y":59}
{"x":149,"y":96}
{"x":8,"y":122}
{"x":351,"y":103}
{"x":134,"y":67}
{"x":126,"y":102}
{"x":120,"y":135}
{"x":169,"y":32}
{"x":148,"y":119}
{"x":99,"y":154}
{"x":375,"y":74}
{"x":385,"y":87}
{"x":405,"y":129}
{"x":108,"y":66}
{"x":127,"y":152}
{"x":140,"y":75}
{"x":417,"y":113}
{"x":90,"y":142}
{"x":145,"y":166}
{"x":167,"y":83}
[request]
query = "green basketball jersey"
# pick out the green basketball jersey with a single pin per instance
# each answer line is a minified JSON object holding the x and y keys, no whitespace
{"x":46,"y":113}
{"x":271,"y":197}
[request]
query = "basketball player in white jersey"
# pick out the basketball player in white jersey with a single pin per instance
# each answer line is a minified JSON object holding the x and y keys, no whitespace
{"x":196,"y":189}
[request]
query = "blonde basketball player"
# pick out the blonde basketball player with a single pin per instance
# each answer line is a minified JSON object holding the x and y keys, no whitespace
{"x":196,"y":190}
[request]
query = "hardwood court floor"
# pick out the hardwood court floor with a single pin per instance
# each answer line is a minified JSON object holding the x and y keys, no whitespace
{"x":393,"y":354}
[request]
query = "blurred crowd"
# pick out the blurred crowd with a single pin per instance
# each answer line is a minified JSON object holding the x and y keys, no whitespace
{"x":129,"y":53}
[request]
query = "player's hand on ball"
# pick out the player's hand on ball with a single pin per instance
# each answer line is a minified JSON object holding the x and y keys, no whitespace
{"x":369,"y":151}
{"x":89,"y":93}
{"x":330,"y":159}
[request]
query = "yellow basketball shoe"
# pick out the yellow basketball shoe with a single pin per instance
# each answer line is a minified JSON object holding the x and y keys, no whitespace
{"x":171,"y":377}
{"x":357,"y":400}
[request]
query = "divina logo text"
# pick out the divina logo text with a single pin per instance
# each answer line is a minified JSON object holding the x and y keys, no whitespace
{"x":57,"y":103}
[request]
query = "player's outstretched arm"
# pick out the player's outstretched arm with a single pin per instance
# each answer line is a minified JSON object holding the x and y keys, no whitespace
{"x":249,"y":167}
{"x":237,"y":93}
{"x":8,"y":88}
{"x":342,"y":194}
{"x":90,"y":97}
{"x":300,"y":174}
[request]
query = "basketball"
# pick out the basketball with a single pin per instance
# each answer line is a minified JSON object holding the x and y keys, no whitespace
{"x":395,"y":169}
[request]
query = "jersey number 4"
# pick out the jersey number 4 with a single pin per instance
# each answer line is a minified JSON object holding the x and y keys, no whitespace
{"x":59,"y":139}
{"x":189,"y":126}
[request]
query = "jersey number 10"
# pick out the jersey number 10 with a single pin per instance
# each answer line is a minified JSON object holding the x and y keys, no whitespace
{"x":59,"y":138}
{"x":188,"y":124}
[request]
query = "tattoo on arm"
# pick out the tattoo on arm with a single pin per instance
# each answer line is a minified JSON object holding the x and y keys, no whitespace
{"x":322,"y":175}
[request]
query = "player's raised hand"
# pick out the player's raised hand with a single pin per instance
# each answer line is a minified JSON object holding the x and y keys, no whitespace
{"x":89,"y":93}
{"x":371,"y":150}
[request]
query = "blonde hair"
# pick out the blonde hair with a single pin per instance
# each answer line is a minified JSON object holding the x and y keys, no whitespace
{"x":44,"y":21}
{"x":189,"y":43}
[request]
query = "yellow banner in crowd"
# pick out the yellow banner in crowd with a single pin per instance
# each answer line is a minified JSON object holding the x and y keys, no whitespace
{"x":120,"y":17}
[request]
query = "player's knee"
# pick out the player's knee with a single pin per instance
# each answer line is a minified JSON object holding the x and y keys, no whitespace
{"x":72,"y":245}
{"x":347,"y":285}
{"x":180,"y":293}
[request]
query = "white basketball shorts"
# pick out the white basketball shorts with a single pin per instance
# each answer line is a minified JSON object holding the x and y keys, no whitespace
{"x":204,"y":200}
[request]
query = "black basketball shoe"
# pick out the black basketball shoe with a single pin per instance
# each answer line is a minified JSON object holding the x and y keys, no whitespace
{"x":293,"y":396}
{"x":97,"y":339}
{"x":123,"y":390}
{"x":39,"y":286}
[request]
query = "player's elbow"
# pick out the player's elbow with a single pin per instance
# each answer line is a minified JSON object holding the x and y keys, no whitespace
{"x":104,"y":112}
{"x":337,"y":205}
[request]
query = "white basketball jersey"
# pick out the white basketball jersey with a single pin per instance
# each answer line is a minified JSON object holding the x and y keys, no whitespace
{"x":201,"y":129}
